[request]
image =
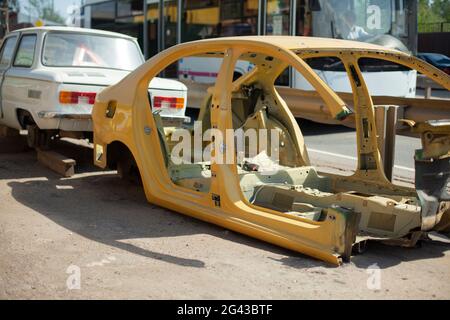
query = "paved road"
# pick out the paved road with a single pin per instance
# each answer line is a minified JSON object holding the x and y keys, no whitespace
{"x":100,"y":231}
{"x":337,"y":145}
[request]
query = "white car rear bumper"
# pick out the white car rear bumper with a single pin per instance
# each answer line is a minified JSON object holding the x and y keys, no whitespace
{"x":64,"y":121}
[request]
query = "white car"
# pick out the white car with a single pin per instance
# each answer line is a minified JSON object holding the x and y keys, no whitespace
{"x":50,"y":76}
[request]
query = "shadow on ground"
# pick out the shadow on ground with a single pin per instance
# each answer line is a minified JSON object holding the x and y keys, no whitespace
{"x":22,"y":162}
{"x":103,"y":208}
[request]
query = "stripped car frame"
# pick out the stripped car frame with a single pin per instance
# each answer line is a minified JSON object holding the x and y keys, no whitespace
{"x":321,"y":215}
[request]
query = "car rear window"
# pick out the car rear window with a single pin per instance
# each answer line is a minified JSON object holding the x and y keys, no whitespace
{"x":86,"y":50}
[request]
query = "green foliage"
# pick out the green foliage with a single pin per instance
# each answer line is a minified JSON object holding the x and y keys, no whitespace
{"x":433,"y":11}
{"x":426,"y":15}
{"x":442,"y":9}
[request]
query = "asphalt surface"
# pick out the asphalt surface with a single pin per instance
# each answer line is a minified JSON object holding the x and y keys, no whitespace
{"x":94,"y":236}
{"x":126,"y":248}
{"x":336,"y":145}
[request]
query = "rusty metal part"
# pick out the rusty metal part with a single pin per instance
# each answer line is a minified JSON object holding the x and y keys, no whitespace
{"x":444,"y":223}
{"x":432,"y":164}
{"x":409,"y":242}
{"x":386,"y":121}
{"x":435,"y":137}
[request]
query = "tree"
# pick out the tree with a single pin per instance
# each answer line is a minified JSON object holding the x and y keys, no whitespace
{"x":13,"y":5}
{"x":427,"y":12}
{"x":6,"y":7}
{"x":44,"y":10}
{"x":442,"y":9}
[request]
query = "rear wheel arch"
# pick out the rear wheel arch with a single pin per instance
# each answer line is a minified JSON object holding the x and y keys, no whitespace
{"x":116,"y":150}
{"x":25,"y":118}
{"x":36,"y":137}
{"x":119,"y":157}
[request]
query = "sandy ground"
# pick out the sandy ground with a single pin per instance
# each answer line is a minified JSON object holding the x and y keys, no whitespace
{"x":124,"y":247}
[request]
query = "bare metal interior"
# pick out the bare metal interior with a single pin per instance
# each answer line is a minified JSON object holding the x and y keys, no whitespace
{"x":297,"y":189}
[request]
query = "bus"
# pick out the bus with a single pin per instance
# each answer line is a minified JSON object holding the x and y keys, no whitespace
{"x":390,"y":23}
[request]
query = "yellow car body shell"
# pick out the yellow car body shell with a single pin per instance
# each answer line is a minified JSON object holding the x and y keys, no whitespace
{"x":133,"y":125}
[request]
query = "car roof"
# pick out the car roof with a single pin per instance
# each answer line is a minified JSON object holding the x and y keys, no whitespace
{"x":305,"y":43}
{"x":72,"y":30}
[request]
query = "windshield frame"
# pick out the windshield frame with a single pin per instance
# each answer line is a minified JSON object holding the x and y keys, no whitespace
{"x":88,"y":34}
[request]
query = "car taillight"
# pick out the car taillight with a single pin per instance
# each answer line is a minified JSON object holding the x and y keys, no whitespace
{"x":72,"y":97}
{"x":168,"y":102}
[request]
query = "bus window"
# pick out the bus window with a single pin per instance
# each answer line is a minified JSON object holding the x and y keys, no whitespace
{"x":382,"y":22}
{"x":210,"y":19}
{"x":278,"y":17}
{"x":238,"y":18}
{"x":377,"y":72}
{"x":278,"y":23}
{"x":304,"y":15}
{"x":329,"y":69}
{"x":199,"y":70}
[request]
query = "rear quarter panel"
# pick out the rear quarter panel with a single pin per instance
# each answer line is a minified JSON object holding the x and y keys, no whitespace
{"x":22,"y":92}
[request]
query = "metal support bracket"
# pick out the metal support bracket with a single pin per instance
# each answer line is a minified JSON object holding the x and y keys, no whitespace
{"x":386,"y":118}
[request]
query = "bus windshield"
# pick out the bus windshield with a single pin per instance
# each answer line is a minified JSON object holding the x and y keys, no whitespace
{"x":382,"y":22}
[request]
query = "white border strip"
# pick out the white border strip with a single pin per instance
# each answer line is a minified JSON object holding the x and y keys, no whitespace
{"x":352,"y":158}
